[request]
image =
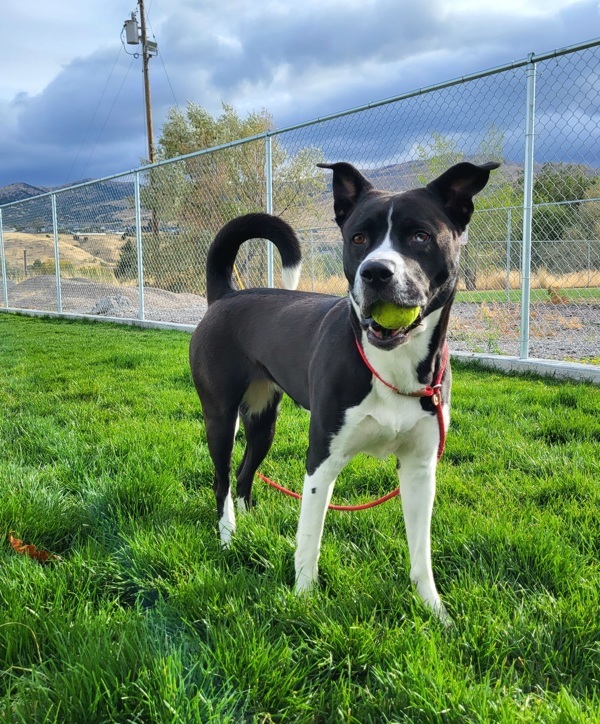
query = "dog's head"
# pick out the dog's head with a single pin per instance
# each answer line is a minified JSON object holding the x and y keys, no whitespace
{"x":403,"y":248}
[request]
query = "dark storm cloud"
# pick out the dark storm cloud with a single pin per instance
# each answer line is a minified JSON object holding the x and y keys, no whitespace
{"x":313,"y":38}
{"x":69,"y":121}
{"x":301,"y":61}
{"x":321,"y":39}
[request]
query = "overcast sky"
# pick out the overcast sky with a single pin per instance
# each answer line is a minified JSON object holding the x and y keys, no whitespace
{"x":71,"y":98}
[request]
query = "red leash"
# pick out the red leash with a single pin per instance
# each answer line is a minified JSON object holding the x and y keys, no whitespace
{"x":362,"y":506}
{"x":434,"y":391}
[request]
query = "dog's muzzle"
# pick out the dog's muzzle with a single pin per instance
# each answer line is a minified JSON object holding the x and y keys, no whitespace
{"x":379,"y":282}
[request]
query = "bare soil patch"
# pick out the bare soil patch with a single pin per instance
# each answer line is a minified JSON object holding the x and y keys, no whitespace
{"x":82,"y":296}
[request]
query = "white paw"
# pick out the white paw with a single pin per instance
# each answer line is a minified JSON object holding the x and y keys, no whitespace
{"x":227,"y":522}
{"x":440,"y":611}
{"x":226,"y":529}
{"x":305,"y":583}
{"x":225,"y":534}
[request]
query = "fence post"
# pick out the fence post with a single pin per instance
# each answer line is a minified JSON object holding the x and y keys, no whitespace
{"x":138,"y":236}
{"x":527,"y":209}
{"x":508,"y":235}
{"x":3,"y":264}
{"x":312,"y":259}
{"x":269,"y":200}
{"x":56,"y":254}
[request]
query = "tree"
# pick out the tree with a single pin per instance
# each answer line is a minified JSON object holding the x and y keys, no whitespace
{"x":437,"y":156}
{"x":127,"y":265}
{"x":554,"y":218}
{"x":587,"y":225}
{"x":197,"y":195}
{"x":489,"y":224}
{"x":583,"y":252}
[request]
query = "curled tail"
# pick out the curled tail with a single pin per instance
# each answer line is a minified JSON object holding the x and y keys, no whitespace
{"x":224,"y":249}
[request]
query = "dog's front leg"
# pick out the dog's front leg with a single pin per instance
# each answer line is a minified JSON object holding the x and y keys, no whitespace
{"x":316,"y":496}
{"x":416,"y":474}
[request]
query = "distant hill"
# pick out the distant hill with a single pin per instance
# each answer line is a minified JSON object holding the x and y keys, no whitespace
{"x":412,"y":174}
{"x":109,"y":203}
{"x":19,"y":191}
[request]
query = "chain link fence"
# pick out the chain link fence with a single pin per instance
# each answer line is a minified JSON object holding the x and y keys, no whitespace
{"x":133,"y":246}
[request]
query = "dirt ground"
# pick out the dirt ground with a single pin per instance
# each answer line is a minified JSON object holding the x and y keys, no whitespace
{"x":82,"y":296}
{"x":565,"y":332}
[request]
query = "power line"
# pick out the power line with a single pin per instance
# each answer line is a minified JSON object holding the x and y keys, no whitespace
{"x":107,"y":117}
{"x":160,"y":55}
{"x":87,"y":131}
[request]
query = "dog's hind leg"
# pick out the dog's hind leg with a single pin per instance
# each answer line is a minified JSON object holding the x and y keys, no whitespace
{"x":220,"y":434}
{"x":260,"y":430}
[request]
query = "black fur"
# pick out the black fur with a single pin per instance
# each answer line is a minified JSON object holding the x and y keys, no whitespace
{"x":253,"y":344}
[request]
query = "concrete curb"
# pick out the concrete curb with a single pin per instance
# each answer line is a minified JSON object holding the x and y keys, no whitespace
{"x":547,"y":367}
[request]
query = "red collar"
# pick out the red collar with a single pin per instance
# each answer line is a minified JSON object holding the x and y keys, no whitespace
{"x":434,"y":391}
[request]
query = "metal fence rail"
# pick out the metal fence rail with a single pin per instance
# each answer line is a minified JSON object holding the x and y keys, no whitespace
{"x":133,"y":245}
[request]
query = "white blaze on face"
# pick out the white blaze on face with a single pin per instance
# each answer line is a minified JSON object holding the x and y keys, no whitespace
{"x":383,"y":252}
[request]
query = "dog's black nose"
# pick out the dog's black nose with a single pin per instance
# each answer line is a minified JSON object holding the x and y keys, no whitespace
{"x":377,"y":273}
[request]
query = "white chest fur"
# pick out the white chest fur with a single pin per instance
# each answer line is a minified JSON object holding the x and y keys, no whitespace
{"x":386,"y":421}
{"x":381,"y":425}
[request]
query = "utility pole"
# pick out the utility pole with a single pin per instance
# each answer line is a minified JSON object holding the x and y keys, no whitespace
{"x":134,"y":36}
{"x":145,"y":60}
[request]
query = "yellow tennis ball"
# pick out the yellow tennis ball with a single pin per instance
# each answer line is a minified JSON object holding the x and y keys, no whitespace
{"x":390,"y":316}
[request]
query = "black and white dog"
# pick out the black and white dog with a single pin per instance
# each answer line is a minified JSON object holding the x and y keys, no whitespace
{"x":329,"y":355}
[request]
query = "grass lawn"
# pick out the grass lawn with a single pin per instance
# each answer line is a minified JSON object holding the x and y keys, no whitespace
{"x":103,"y":462}
{"x":581,"y":295}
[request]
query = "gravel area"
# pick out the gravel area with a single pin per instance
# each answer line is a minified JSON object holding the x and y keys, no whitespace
{"x":566,"y":331}
{"x":82,"y":296}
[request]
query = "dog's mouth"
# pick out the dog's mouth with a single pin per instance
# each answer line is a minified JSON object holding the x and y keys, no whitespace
{"x":384,"y":338}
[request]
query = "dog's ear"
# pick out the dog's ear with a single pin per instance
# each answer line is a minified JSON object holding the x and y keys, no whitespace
{"x":457,"y":186}
{"x":348,"y":185}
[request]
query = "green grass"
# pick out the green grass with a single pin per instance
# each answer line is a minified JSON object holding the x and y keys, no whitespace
{"x":103,"y":461}
{"x":574,"y":295}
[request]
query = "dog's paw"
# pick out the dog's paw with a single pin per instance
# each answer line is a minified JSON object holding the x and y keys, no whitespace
{"x":226,"y":531}
{"x":305,"y":583}
{"x":242,"y":506}
{"x":443,"y":615}
{"x":227,"y":522}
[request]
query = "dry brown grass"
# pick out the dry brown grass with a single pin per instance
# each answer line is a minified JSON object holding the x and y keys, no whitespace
{"x":329,"y":285}
{"x":572,"y":280}
{"x":102,"y":253}
{"x":95,"y":252}
{"x":494,"y":280}
{"x":490,"y":281}
{"x":540,"y":279}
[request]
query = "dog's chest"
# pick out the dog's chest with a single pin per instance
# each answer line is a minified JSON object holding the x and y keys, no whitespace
{"x":380,"y":425}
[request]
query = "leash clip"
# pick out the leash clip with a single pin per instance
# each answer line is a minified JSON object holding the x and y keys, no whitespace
{"x":436,"y":395}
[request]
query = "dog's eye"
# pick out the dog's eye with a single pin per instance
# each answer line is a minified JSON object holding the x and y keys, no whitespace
{"x":421,"y":236}
{"x":359,"y":239}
